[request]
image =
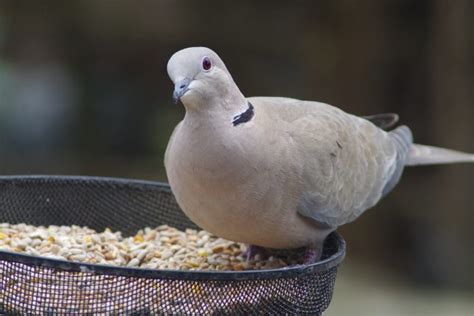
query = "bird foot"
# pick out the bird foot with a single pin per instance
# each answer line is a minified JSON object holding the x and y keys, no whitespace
{"x":252,"y":251}
{"x":312,"y":255}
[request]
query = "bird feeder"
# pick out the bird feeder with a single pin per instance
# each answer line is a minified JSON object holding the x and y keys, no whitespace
{"x":42,"y":286}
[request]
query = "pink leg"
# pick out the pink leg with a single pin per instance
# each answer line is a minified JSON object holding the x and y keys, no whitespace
{"x":312,"y":254}
{"x":252,"y":251}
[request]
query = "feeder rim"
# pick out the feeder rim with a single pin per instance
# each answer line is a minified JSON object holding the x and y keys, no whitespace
{"x":287,"y":272}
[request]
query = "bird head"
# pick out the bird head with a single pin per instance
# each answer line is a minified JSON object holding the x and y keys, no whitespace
{"x":200,"y":77}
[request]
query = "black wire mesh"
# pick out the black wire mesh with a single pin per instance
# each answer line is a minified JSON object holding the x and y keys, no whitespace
{"x":40,"y":286}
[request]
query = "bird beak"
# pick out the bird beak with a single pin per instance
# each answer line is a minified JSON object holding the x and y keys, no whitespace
{"x":180,"y":88}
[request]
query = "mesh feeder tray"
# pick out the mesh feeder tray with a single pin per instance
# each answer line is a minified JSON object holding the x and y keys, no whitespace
{"x":40,"y":286}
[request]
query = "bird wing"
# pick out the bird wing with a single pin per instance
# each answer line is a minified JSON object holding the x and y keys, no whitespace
{"x":384,"y":121}
{"x":346,"y":162}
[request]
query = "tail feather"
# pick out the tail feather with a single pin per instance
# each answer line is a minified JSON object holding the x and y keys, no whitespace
{"x":430,"y":155}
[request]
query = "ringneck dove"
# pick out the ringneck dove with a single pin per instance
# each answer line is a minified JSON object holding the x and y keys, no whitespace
{"x":278,"y":172}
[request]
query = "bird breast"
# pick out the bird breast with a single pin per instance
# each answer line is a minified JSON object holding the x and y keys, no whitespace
{"x":221,"y":191}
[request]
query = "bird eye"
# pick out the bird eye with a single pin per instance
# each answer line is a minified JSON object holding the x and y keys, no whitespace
{"x":206,"y":63}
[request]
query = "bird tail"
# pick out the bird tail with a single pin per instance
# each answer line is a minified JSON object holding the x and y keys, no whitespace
{"x":430,"y":155}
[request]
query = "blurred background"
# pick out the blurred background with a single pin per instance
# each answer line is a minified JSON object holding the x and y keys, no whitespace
{"x":84,"y":90}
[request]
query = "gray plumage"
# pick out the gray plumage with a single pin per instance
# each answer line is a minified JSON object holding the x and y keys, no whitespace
{"x":383,"y":120}
{"x":292,"y":173}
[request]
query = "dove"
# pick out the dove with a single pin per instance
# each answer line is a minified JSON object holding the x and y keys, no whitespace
{"x":276,"y":172}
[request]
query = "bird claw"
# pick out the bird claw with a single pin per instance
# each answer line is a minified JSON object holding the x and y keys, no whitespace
{"x":312,"y":255}
{"x":252,"y":251}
